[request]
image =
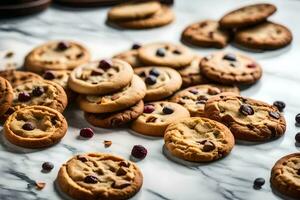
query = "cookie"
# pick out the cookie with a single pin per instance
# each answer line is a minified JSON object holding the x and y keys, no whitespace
{"x":157,"y":116}
{"x":161,"y":18}
{"x":246,"y":16}
{"x":6,"y":95}
{"x":16,"y":78}
{"x":198,"y":139}
{"x":161,"y":82}
{"x":35,"y":127}
{"x":56,"y":55}
{"x":115,"y":119}
{"x":121,"y":100}
{"x":285,"y":175}
{"x":231,"y":68}
{"x":102,"y":77}
{"x":131,"y":57}
{"x":206,"y":34}
{"x":133,"y":11}
{"x":195,"y":97}
{"x":40,"y":92}
{"x":165,"y":54}
{"x":248,"y":119}
{"x":265,"y":36}
{"x":97,"y":176}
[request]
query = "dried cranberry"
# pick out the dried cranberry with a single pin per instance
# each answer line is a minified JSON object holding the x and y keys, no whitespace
{"x":47,"y":166}
{"x":28,"y":126}
{"x":86,"y":132}
{"x":246,"y":109}
{"x":49,"y":75}
{"x":91,"y":179}
{"x":252,"y":65}
{"x":138,"y":151}
{"x":37,"y":91}
{"x":24,"y":96}
{"x":148,"y":108}
{"x":136,"y":46}
{"x":105,"y":64}
{"x":280,"y":105}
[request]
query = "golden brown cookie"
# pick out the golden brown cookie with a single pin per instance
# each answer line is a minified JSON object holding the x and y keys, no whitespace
{"x":131,"y":57}
{"x":56,"y":55}
{"x":285,"y":175}
{"x":161,"y":82}
{"x":16,"y":78}
{"x":6,"y":95}
{"x":157,"y":116}
{"x":35,"y":127}
{"x":115,"y":119}
{"x":248,"y":119}
{"x":198,"y":139}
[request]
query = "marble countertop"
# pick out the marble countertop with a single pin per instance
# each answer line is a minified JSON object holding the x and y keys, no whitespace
{"x":229,"y":178}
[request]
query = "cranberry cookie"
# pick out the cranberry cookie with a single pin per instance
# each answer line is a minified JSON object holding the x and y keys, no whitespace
{"x":16,"y":78}
{"x":6,"y":95}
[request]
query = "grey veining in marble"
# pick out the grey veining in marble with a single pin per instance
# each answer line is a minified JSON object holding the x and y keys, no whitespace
{"x":164,"y":177}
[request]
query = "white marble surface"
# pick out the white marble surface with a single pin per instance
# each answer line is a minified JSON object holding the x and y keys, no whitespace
{"x":230,"y":178}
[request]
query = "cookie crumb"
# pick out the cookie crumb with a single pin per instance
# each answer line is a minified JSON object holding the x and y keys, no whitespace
{"x":107,"y":143}
{"x":40,"y":185}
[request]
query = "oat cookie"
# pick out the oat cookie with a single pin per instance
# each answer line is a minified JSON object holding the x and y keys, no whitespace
{"x":16,"y":78}
{"x":248,"y":119}
{"x":56,"y":55}
{"x":115,"y":119}
{"x":121,"y":100}
{"x":198,"y":139}
{"x":35,"y":127}
{"x":265,"y":36}
{"x":206,"y":34}
{"x":161,"y":82}
{"x":100,"y":78}
{"x":131,"y":57}
{"x":157,"y":116}
{"x":246,"y":16}
{"x":285,"y":175}
{"x":165,"y":54}
{"x":6,"y":95}
{"x":230,"y":68}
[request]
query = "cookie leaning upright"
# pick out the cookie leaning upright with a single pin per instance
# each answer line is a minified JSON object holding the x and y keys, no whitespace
{"x":6,"y":95}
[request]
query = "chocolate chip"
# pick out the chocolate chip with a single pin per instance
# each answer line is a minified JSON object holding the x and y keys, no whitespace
{"x":298,"y":172}
{"x":202,"y":97}
{"x":213,"y":91}
{"x":48,"y":75}
{"x":124,"y":164}
{"x":79,"y":55}
{"x":208,"y":146}
{"x":105,"y":64}
{"x":246,"y":109}
{"x":23,"y":97}
{"x":149,"y":108}
{"x":176,"y":52}
{"x":252,"y":65}
{"x":230,"y":57}
{"x":203,"y":24}
{"x":120,"y":184}
{"x":280,"y":105}
{"x":62,"y":46}
{"x":154,"y":72}
{"x":167,"y":110}
{"x":193,"y":91}
{"x":258,"y":182}
{"x":86,"y":132}
{"x":275,"y":115}
{"x":136,"y":46}
{"x":37,"y":91}
{"x":121,"y":172}
{"x":91,"y":179}
{"x":28,"y":126}
{"x":82,"y":158}
{"x":9,"y":54}
{"x":150,"y":80}
{"x":167,"y":2}
{"x":47,"y":166}
{"x":142,"y":74}
{"x":297,"y":137}
{"x":160,"y":52}
{"x":297,"y":118}
{"x":138,"y":151}
{"x":96,"y":73}
{"x":201,"y":102}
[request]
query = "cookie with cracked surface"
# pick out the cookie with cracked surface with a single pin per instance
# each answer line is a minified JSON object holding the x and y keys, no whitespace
{"x":265,"y":36}
{"x":247,"y":16}
{"x":127,"y":97}
{"x":161,"y":82}
{"x":165,"y":54}
{"x":115,"y":119}
{"x":285,"y":175}
{"x":231,"y":68}
{"x":157,"y":116}
{"x":248,"y":119}
{"x":206,"y":34}
{"x":99,"y":78}
{"x":6,"y":95}
{"x":16,"y":78}
{"x":56,"y":55}
{"x":35,"y":127}
{"x":198,"y":139}
{"x":131,"y":57}
{"x":195,"y":97}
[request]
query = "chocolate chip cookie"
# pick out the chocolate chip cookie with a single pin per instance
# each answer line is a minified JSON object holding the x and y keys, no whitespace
{"x":16,"y":78}
{"x":6,"y":95}
{"x":56,"y":55}
{"x":157,"y":116}
{"x":246,"y":16}
{"x":198,"y":139}
{"x":131,"y":57}
{"x":35,"y":127}
{"x":206,"y":34}
{"x":121,"y":100}
{"x":97,"y":176}
{"x":161,"y":82}
{"x":101,"y":77}
{"x":285,"y":175}
{"x":231,"y":68}
{"x":248,"y":119}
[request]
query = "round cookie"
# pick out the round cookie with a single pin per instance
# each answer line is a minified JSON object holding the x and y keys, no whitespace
{"x":121,"y":100}
{"x":248,"y":119}
{"x":16,"y":78}
{"x":6,"y":95}
{"x":231,"y":68}
{"x":133,"y":11}
{"x":265,"y":36}
{"x":101,"y":78}
{"x":97,"y":176}
{"x":161,"y":18}
{"x":198,"y":139}
{"x":195,"y":97}
{"x":115,"y":119}
{"x":161,"y":82}
{"x":40,"y":92}
{"x":35,"y":127}
{"x":285,"y":175}
{"x":165,"y":54}
{"x":246,"y":16}
{"x":131,"y":57}
{"x":206,"y":34}
{"x":56,"y":55}
{"x":157,"y":116}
